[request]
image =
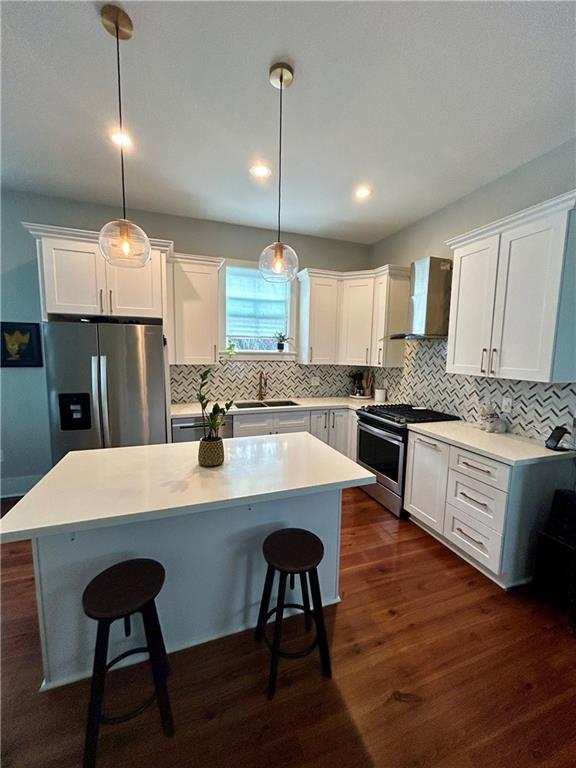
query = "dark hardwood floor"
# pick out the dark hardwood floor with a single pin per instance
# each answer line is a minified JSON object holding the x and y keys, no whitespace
{"x":434,"y":667}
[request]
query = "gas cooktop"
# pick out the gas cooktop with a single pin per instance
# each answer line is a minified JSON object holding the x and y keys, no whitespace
{"x":403,"y":414}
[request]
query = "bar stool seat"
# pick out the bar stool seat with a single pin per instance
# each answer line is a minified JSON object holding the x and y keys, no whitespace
{"x":290,"y":552}
{"x":123,"y":589}
{"x":119,"y":592}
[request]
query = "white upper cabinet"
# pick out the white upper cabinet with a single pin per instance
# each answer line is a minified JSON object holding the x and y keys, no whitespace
{"x":75,"y":279}
{"x":136,"y":292}
{"x":195,"y":306}
{"x":355,"y":326}
{"x":73,"y":275}
{"x":472,"y":306}
{"x":513,"y":314}
{"x":389,"y":316}
{"x":317,"y":337}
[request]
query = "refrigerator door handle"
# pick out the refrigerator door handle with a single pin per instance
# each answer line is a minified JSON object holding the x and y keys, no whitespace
{"x":96,"y":392}
{"x":104,"y":395}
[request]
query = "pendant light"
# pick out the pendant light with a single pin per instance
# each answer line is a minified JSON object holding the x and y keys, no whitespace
{"x":122,"y":243}
{"x":278,"y":262}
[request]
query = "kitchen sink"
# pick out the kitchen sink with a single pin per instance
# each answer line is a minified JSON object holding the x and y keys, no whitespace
{"x":272,"y":403}
{"x":255,"y":404}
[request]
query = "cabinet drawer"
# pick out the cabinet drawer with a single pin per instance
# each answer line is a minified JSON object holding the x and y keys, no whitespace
{"x":477,"y":540}
{"x":479,"y":500}
{"x":298,"y":421}
{"x":492,"y":472}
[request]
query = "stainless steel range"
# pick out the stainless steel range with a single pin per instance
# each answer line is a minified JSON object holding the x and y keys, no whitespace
{"x":382,"y":440}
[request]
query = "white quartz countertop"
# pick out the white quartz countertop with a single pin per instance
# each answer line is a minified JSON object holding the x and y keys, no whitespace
{"x":182,"y":410}
{"x":508,"y":448}
{"x":111,"y":486}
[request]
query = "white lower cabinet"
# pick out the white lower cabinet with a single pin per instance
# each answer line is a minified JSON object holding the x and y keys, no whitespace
{"x":426,"y":479}
{"x":251,"y":424}
{"x":486,"y":510}
{"x":332,"y":427}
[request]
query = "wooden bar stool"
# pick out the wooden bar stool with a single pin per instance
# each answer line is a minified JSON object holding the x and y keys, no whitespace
{"x":291,"y":552}
{"x":118,"y":592}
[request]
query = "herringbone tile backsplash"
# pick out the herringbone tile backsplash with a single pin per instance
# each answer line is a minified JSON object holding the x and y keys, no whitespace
{"x":536,"y":408}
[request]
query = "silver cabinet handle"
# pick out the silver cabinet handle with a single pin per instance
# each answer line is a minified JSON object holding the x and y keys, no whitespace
{"x":470,"y":498}
{"x":366,"y":355}
{"x":111,"y":310}
{"x":492,"y":356}
{"x":325,"y":419}
{"x":379,"y":355}
{"x":467,"y":536}
{"x":478,"y":469}
{"x":311,"y":355}
{"x":333,"y":419}
{"x":427,"y":442}
{"x":101,"y":302}
{"x":215,"y":355}
{"x":482,"y":366}
{"x":104,"y":395}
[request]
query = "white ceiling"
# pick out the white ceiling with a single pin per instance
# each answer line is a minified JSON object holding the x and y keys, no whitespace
{"x":424,"y":101}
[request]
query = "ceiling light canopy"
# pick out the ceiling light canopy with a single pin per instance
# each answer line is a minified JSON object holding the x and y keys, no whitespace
{"x":362,"y":192}
{"x":261,"y":171}
{"x":278,"y":262}
{"x":121,"y":242}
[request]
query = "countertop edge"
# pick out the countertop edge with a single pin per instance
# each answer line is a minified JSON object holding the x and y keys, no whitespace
{"x":352,"y":406}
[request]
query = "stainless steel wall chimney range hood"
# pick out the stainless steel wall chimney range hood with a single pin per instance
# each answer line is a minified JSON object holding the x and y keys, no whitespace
{"x":430,"y":284}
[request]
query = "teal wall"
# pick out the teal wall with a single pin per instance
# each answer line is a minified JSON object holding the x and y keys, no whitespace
{"x":545,"y":177}
{"x":24,"y":435}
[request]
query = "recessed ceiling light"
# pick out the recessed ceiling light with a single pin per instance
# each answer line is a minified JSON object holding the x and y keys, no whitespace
{"x":260,"y":171}
{"x":362,"y":192}
{"x":122,"y":139}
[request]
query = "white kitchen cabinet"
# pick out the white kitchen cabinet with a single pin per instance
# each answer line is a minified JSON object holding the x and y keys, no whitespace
{"x":426,"y":480}
{"x":136,"y":292}
{"x":389,"y":316}
{"x":276,"y":423}
{"x":332,"y":427}
{"x":355,"y":321}
{"x":512,"y":313}
{"x":317,"y":336}
{"x":195,"y":306}
{"x":75,"y":279}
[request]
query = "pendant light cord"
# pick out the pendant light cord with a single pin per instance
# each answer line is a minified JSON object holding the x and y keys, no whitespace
{"x":280,"y":155}
{"x":120,"y":121}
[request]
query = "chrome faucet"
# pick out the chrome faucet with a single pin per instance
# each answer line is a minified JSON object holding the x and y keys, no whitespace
{"x":262,"y":385}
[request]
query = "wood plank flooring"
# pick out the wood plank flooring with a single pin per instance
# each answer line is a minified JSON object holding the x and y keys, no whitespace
{"x":434,"y":667}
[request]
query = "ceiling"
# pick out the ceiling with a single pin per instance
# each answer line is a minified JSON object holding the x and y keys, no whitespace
{"x":423,"y":101}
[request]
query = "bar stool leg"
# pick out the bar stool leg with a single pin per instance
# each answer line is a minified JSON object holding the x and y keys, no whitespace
{"x":157,"y":653}
{"x":96,"y":694}
{"x":277,"y":636}
{"x":264,"y":605}
{"x":320,"y":627}
{"x":306,"y":602}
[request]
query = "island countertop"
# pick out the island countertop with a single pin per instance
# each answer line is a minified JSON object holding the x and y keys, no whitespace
{"x":112,"y":486}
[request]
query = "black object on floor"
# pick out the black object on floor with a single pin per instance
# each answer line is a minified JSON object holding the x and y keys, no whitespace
{"x":292,"y":552}
{"x":119,"y":592}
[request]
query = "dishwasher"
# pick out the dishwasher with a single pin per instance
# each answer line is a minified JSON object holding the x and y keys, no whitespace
{"x":189,"y":429}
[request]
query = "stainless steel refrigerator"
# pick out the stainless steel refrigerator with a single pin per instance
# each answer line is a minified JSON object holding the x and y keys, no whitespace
{"x":105,"y":385}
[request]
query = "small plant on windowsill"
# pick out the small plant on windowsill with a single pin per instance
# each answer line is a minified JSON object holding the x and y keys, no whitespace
{"x":281,"y":340}
{"x":211,"y":448}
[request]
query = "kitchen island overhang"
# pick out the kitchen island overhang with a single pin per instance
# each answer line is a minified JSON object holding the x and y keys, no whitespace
{"x":205,"y":525}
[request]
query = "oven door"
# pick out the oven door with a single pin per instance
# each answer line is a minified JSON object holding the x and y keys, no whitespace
{"x":382,"y":453}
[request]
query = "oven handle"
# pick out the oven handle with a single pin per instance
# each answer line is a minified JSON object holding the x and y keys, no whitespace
{"x":380,"y":433}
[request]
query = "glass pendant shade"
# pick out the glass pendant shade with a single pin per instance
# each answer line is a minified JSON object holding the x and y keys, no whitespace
{"x":278,"y":263}
{"x":124,"y":244}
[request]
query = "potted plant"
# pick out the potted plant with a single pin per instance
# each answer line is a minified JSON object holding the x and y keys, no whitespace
{"x":211,"y":448}
{"x":281,"y":339}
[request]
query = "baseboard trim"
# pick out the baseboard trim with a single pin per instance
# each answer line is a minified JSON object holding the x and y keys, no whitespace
{"x":17,"y":486}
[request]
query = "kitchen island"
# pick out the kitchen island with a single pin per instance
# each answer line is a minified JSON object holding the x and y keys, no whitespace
{"x":206,"y":526}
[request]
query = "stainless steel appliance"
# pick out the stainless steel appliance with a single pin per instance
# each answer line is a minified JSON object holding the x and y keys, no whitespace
{"x":105,"y":385}
{"x":382,"y":440}
{"x":190,"y":429}
{"x":429,"y":309}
